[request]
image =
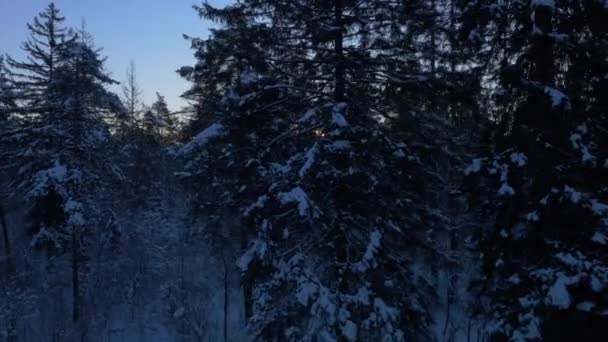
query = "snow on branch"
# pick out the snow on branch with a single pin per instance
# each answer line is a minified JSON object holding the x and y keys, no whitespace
{"x":201,"y":139}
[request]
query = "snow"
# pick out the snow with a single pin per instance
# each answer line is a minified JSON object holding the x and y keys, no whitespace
{"x":280,"y":168}
{"x":248,"y":77}
{"x":582,"y":128}
{"x":201,"y":139}
{"x":337,"y":118}
{"x":257,"y":249}
{"x":585,"y":306}
{"x":474,"y":36}
{"x":399,"y":154}
{"x":179,"y":312}
{"x":370,"y":252}
{"x":362,"y":296}
{"x":597,"y":285}
{"x":56,"y":174}
{"x":372,"y":247}
{"x":518,"y":159}
{"x":474,"y":167}
{"x":259,"y":203}
{"x":306,"y":291}
{"x":506,"y":190}
{"x":349,"y":330}
{"x":97,"y":136}
{"x":557,"y":97}
{"x":573,"y":195}
{"x":527,"y":301}
{"x":387,"y":313}
{"x":533,"y":216}
{"x":43,"y":236}
{"x":519,"y":231}
{"x":231,"y":97}
{"x":600,"y":238}
{"x":324,"y":304}
{"x":548,"y":3}
{"x":514,"y":279}
{"x":558,"y":293}
{"x":339,"y":145}
{"x":577,"y":144}
{"x":559,"y":37}
{"x":72,"y":205}
{"x":575,"y":140}
{"x":570,"y":259}
{"x":298,"y":196}
{"x":504,"y":171}
{"x":545,"y":200}
{"x":310,"y":160}
{"x":587,"y":156}
{"x":598,"y":208}
{"x":76,"y":219}
{"x":308,"y":115}
{"x":529,"y":332}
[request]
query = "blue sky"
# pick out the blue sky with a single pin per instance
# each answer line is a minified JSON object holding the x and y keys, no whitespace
{"x":147,"y":31}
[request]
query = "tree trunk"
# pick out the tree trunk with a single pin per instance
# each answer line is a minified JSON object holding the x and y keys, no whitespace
{"x":433,"y":54}
{"x":11,"y":329}
{"x":542,"y":45}
{"x":7,"y":243}
{"x":339,"y":76}
{"x":246,"y":281}
{"x":75,"y":277}
{"x":226,"y":290}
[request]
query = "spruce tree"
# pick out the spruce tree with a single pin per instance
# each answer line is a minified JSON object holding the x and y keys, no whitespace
{"x":543,"y":268}
{"x":162,"y":112}
{"x":54,"y":157}
{"x":7,"y":96}
{"x":34,"y":77}
{"x":336,"y":223}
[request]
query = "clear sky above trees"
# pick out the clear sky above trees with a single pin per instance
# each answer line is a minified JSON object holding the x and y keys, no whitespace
{"x":147,"y":31}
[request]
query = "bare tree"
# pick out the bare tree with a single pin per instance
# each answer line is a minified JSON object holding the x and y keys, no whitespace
{"x":132,"y":94}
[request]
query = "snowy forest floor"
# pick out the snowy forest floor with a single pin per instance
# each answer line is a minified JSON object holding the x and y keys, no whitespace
{"x":161,"y":283}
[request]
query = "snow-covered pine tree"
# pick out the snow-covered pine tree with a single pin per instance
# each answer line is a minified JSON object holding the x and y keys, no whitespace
{"x":220,"y":62}
{"x":161,"y":110}
{"x":55,"y":156}
{"x":544,"y":270}
{"x":33,"y":78}
{"x":7,"y":96}
{"x":241,"y":106}
{"x":331,"y":200}
{"x":13,"y":296}
{"x":151,"y":124}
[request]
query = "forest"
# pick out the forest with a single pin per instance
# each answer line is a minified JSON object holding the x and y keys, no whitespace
{"x":344,"y":170}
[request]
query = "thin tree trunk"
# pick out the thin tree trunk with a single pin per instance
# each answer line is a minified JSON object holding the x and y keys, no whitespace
{"x":433,"y":56}
{"x":452,"y":36}
{"x":245,"y":281}
{"x":226,"y":289}
{"x":12,"y":321}
{"x":339,"y":76}
{"x":542,"y":45}
{"x":248,"y":299}
{"x":75,"y":277}
{"x":7,"y":243}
